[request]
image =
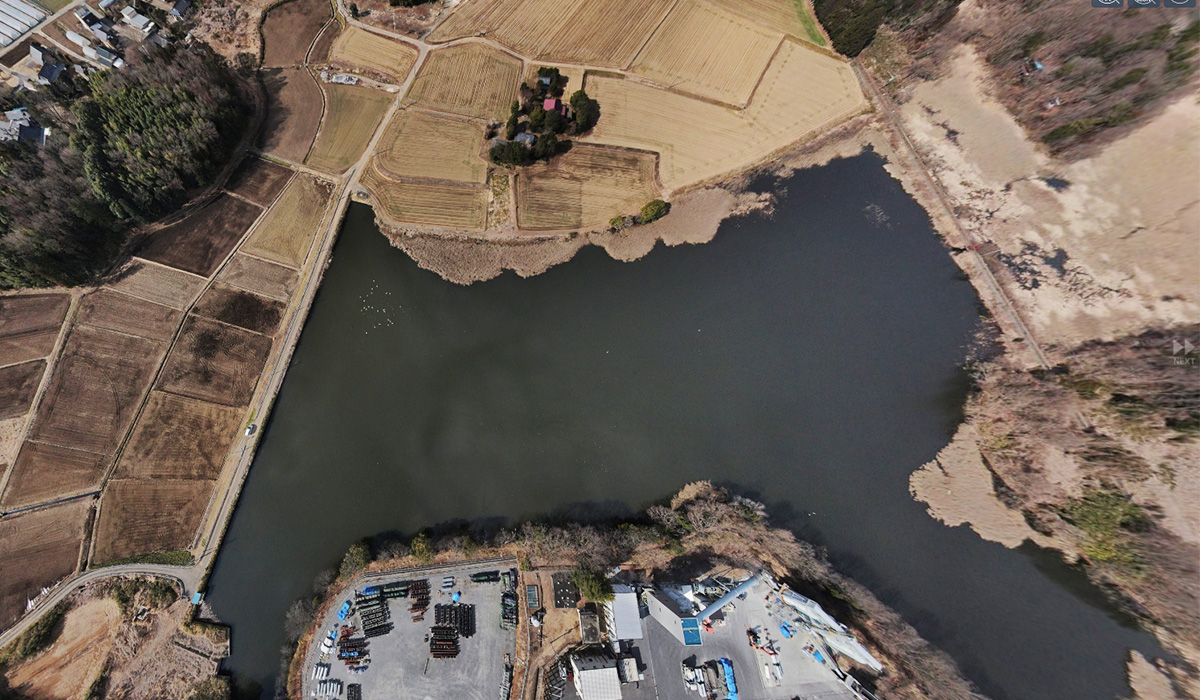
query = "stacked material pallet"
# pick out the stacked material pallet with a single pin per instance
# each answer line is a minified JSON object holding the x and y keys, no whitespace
{"x":460,"y":616}
{"x":443,"y":642}
{"x":418,"y":593}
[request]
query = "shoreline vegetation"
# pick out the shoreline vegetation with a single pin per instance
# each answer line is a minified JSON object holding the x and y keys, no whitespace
{"x":699,"y":528}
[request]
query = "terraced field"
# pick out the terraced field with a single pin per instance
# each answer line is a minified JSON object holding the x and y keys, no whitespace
{"x":456,"y":142}
{"x":472,"y":80}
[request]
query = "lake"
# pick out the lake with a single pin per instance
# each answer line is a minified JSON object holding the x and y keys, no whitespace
{"x":813,"y":360}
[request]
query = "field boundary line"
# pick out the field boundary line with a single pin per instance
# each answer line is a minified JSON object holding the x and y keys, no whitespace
{"x":46,"y":504}
{"x":763,"y":74}
{"x":653,"y":32}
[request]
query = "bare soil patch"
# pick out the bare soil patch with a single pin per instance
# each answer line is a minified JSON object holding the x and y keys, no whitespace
{"x":114,"y":311}
{"x":294,"y":107}
{"x":37,"y":548}
{"x":351,"y":116}
{"x":215,"y":362}
{"x":179,"y":438}
{"x":69,"y":666}
{"x":289,"y":30}
{"x":44,"y":472}
{"x":259,"y":276}
{"x":141,"y":516}
{"x":29,"y":325}
{"x":259,"y":180}
{"x":285,"y":234}
{"x":321,"y":47}
{"x":96,"y":387}
{"x":18,"y":384}
{"x":240,"y":308}
{"x":201,"y":242}
{"x":159,"y":284}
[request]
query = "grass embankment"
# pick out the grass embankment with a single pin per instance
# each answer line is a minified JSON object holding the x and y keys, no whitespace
{"x":174,"y":557}
{"x":40,"y":635}
{"x":808,"y":19}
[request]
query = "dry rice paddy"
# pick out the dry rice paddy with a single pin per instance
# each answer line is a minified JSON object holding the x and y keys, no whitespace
{"x":285,"y":234}
{"x":802,"y":91}
{"x":158,"y":283}
{"x":37,"y":548}
{"x":215,"y":362}
{"x":18,"y":384}
{"x":473,"y":80}
{"x":44,"y":472}
{"x":259,"y":180}
{"x":604,"y":33}
{"x":352,"y":113}
{"x":179,"y":438}
{"x":360,"y":48}
{"x":707,"y":51}
{"x":29,"y":325}
{"x":139,"y":516}
{"x":794,"y":17}
{"x":584,"y":188}
{"x":114,"y":311}
{"x":426,"y":204}
{"x":423,"y":145}
{"x":259,"y":276}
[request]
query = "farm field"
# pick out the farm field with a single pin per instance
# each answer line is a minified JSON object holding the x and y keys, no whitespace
{"x":179,"y":438}
{"x":451,"y":206}
{"x":114,"y":311}
{"x":585,"y":187}
{"x":215,"y":362}
{"x":29,"y":325}
{"x":140,"y":516}
{"x":319,"y":53}
{"x":604,"y":33}
{"x":37,"y":548}
{"x":794,"y":17}
{"x":801,"y":92}
{"x":456,"y":142}
{"x":360,"y":48}
{"x":200,"y":242}
{"x":259,"y":276}
{"x":286,"y":232}
{"x":707,"y":51}
{"x":96,"y":387}
{"x":294,"y":107}
{"x":240,"y":308}
{"x":44,"y":472}
{"x":259,"y":180}
{"x":18,"y":384}
{"x":352,"y":113}
{"x":473,"y":80}
{"x":157,"y":283}
{"x":289,"y":29}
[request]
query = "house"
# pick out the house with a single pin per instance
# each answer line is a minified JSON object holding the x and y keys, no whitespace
{"x":551,"y":104}
{"x":136,"y":20}
{"x":622,"y":620}
{"x":50,"y":72}
{"x":181,"y":9}
{"x":77,"y":39}
{"x":596,"y":676}
{"x":17,"y":124}
{"x":526,"y":138}
{"x":105,"y":4}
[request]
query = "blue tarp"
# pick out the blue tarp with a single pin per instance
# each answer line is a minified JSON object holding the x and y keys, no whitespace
{"x":691,"y":631}
{"x":730,"y":684}
{"x":342,"y":612}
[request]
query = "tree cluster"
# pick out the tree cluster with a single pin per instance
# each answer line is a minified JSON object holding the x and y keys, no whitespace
{"x":852,"y":23}
{"x":528,"y":115}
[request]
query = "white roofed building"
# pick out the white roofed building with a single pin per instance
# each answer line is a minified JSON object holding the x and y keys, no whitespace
{"x":596,"y":676}
{"x":622,"y":620}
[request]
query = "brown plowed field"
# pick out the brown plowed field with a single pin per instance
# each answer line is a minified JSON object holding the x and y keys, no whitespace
{"x":139,"y":516}
{"x":289,"y":29}
{"x":29,"y":325}
{"x":240,"y":308}
{"x":451,"y":206}
{"x":293,"y":113}
{"x":215,"y":362}
{"x":96,"y":388}
{"x":259,"y":276}
{"x":178,"y":438}
{"x":588,"y":32}
{"x":455,"y":141}
{"x":161,"y":285}
{"x":473,"y":80}
{"x":285,"y":234}
{"x":584,"y":188}
{"x":359,"y":48}
{"x":36,"y":549}
{"x":200,"y":242}
{"x":44,"y":472}
{"x":259,"y":180}
{"x":321,"y":47}
{"x":114,"y":311}
{"x":18,"y":384}
{"x":351,"y":116}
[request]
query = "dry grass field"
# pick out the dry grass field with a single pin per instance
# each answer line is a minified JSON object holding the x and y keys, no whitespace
{"x":352,"y":113}
{"x":37,"y":548}
{"x":200,"y":242}
{"x":259,"y":276}
{"x":604,"y":33}
{"x":794,"y":17}
{"x":286,"y":232}
{"x":215,"y":362}
{"x":240,"y":308}
{"x":259,"y":180}
{"x":97,"y":385}
{"x":294,"y":105}
{"x":290,"y":28}
{"x":179,"y":438}
{"x":114,"y":311}
{"x":802,"y":92}
{"x":424,"y":204}
{"x":473,"y":80}
{"x":360,"y":48}
{"x":142,"y":516}
{"x":405,"y":147}
{"x":706,"y":51}
{"x":29,"y":325}
{"x":156,"y":283}
{"x":44,"y":472}
{"x":584,"y":188}
{"x":18,"y":384}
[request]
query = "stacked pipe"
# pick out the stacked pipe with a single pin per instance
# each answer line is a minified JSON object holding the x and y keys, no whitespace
{"x":396,"y":589}
{"x":443,"y":642}
{"x":354,"y":692}
{"x":418,"y":593}
{"x":374,"y":613}
{"x":330,"y":688}
{"x":352,"y":649}
{"x":457,"y":615}
{"x":508,"y":609}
